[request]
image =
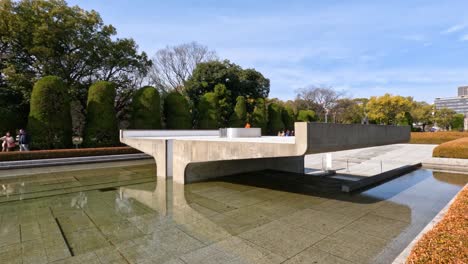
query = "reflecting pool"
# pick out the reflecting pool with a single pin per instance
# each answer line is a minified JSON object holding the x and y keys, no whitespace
{"x":127,"y":215}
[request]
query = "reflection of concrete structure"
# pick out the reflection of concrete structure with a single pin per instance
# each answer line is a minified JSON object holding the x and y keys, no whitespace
{"x":195,"y":155}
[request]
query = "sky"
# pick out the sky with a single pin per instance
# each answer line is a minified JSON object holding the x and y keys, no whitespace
{"x":362,"y":47}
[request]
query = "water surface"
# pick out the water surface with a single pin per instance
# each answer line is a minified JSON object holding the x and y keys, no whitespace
{"x":127,"y":215}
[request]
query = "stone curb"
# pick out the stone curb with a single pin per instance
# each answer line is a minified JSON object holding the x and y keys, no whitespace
{"x":22,"y":164}
{"x":401,"y":259}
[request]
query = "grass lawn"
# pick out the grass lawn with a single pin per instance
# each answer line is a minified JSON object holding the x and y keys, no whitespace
{"x":435,"y":137}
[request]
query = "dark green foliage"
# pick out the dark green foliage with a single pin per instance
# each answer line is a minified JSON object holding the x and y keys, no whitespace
{"x":146,"y":109}
{"x":177,"y":112}
{"x":458,"y":122}
{"x":288,"y":118}
{"x":260,"y":115}
{"x":239,"y":117}
{"x":101,"y":129}
{"x":49,"y":123}
{"x":306,"y":116}
{"x":275,"y":121}
{"x":224,"y":104}
{"x":13,"y":112}
{"x":249,"y":82}
{"x":208,"y":110}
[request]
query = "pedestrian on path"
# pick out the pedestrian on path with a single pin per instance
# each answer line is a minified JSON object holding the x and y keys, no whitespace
{"x":23,"y":140}
{"x":8,"y":142}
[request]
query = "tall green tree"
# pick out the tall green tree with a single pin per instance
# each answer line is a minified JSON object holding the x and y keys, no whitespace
{"x":422,"y":114}
{"x":146,"y":109}
{"x":275,"y":121}
{"x":177,"y":111}
{"x":288,"y":117}
{"x":49,"y":122}
{"x":444,"y":117}
{"x":260,"y":115}
{"x":208,"y":109}
{"x":458,"y":122}
{"x":249,"y":82}
{"x":101,"y":128}
{"x":239,"y":117}
{"x":389,"y":109}
{"x":40,"y":38}
{"x":223,"y":96}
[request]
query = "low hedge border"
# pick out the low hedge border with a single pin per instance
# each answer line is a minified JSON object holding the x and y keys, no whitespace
{"x":447,"y":241}
{"x":64,"y":153}
{"x":457,"y":149}
{"x":436,"y":137}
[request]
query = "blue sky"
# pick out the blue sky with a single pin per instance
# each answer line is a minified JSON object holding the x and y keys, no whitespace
{"x":412,"y":48}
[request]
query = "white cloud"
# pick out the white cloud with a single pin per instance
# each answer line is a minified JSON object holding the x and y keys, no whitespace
{"x":455,"y":28}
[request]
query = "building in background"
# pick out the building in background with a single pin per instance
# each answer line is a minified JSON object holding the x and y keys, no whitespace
{"x":458,"y":104}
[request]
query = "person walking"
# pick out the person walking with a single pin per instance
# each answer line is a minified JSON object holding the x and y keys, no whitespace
{"x":23,"y":140}
{"x":8,"y":142}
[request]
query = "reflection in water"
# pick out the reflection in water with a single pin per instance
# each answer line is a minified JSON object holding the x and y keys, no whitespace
{"x":252,"y":218}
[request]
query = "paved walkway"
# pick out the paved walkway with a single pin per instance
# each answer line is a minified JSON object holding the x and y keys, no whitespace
{"x":366,"y":162}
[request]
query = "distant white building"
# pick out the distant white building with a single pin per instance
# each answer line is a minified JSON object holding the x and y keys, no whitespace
{"x":458,"y":104}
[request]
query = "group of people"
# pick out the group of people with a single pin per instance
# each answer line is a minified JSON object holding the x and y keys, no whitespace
{"x":286,"y":133}
{"x":9,"y":143}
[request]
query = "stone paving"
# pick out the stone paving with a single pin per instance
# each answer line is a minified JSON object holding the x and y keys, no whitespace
{"x":126,"y":215}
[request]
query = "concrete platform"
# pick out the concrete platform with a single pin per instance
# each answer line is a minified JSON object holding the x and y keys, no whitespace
{"x":196,"y":155}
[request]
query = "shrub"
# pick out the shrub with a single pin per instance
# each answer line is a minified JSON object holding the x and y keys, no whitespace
{"x":458,"y":122}
{"x":208,"y":111}
{"x":260,"y":115}
{"x":239,"y":117}
{"x":288,"y":117}
{"x":306,"y":116}
{"x":446,"y":242}
{"x":65,"y":153}
{"x":146,"y":109}
{"x":435,"y":137}
{"x":49,"y":122}
{"x":275,"y":122}
{"x":453,"y":149}
{"x":177,"y":112}
{"x":101,"y":128}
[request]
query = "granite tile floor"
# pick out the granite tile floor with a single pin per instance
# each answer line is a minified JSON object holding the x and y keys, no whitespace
{"x":127,"y":215}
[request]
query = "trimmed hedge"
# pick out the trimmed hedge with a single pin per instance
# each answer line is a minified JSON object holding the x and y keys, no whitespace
{"x":208,"y":111}
{"x":146,"y":109}
{"x":275,"y":121}
{"x":239,"y":117}
{"x":64,"y":153}
{"x":177,"y":112}
{"x":49,"y":122}
{"x":260,"y":115}
{"x":435,"y":137}
{"x":447,"y":241}
{"x":101,"y":129}
{"x":453,"y":149}
{"x":288,"y":117}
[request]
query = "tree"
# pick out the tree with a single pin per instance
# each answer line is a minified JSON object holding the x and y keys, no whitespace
{"x":146,"y":109}
{"x":177,"y":111}
{"x":422,"y":114}
{"x":319,"y":99}
{"x":458,"y":122}
{"x":13,"y":110}
{"x":306,"y":116}
{"x":347,"y":111}
{"x":101,"y":129}
{"x":223,"y":97}
{"x":49,"y":121}
{"x":239,"y":82}
{"x":444,"y":117}
{"x":40,"y":38}
{"x":209,"y":111}
{"x":173,"y":65}
{"x":239,"y":116}
{"x":260,"y":115}
{"x":389,"y":109}
{"x":288,"y":117}
{"x":275,"y":122}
